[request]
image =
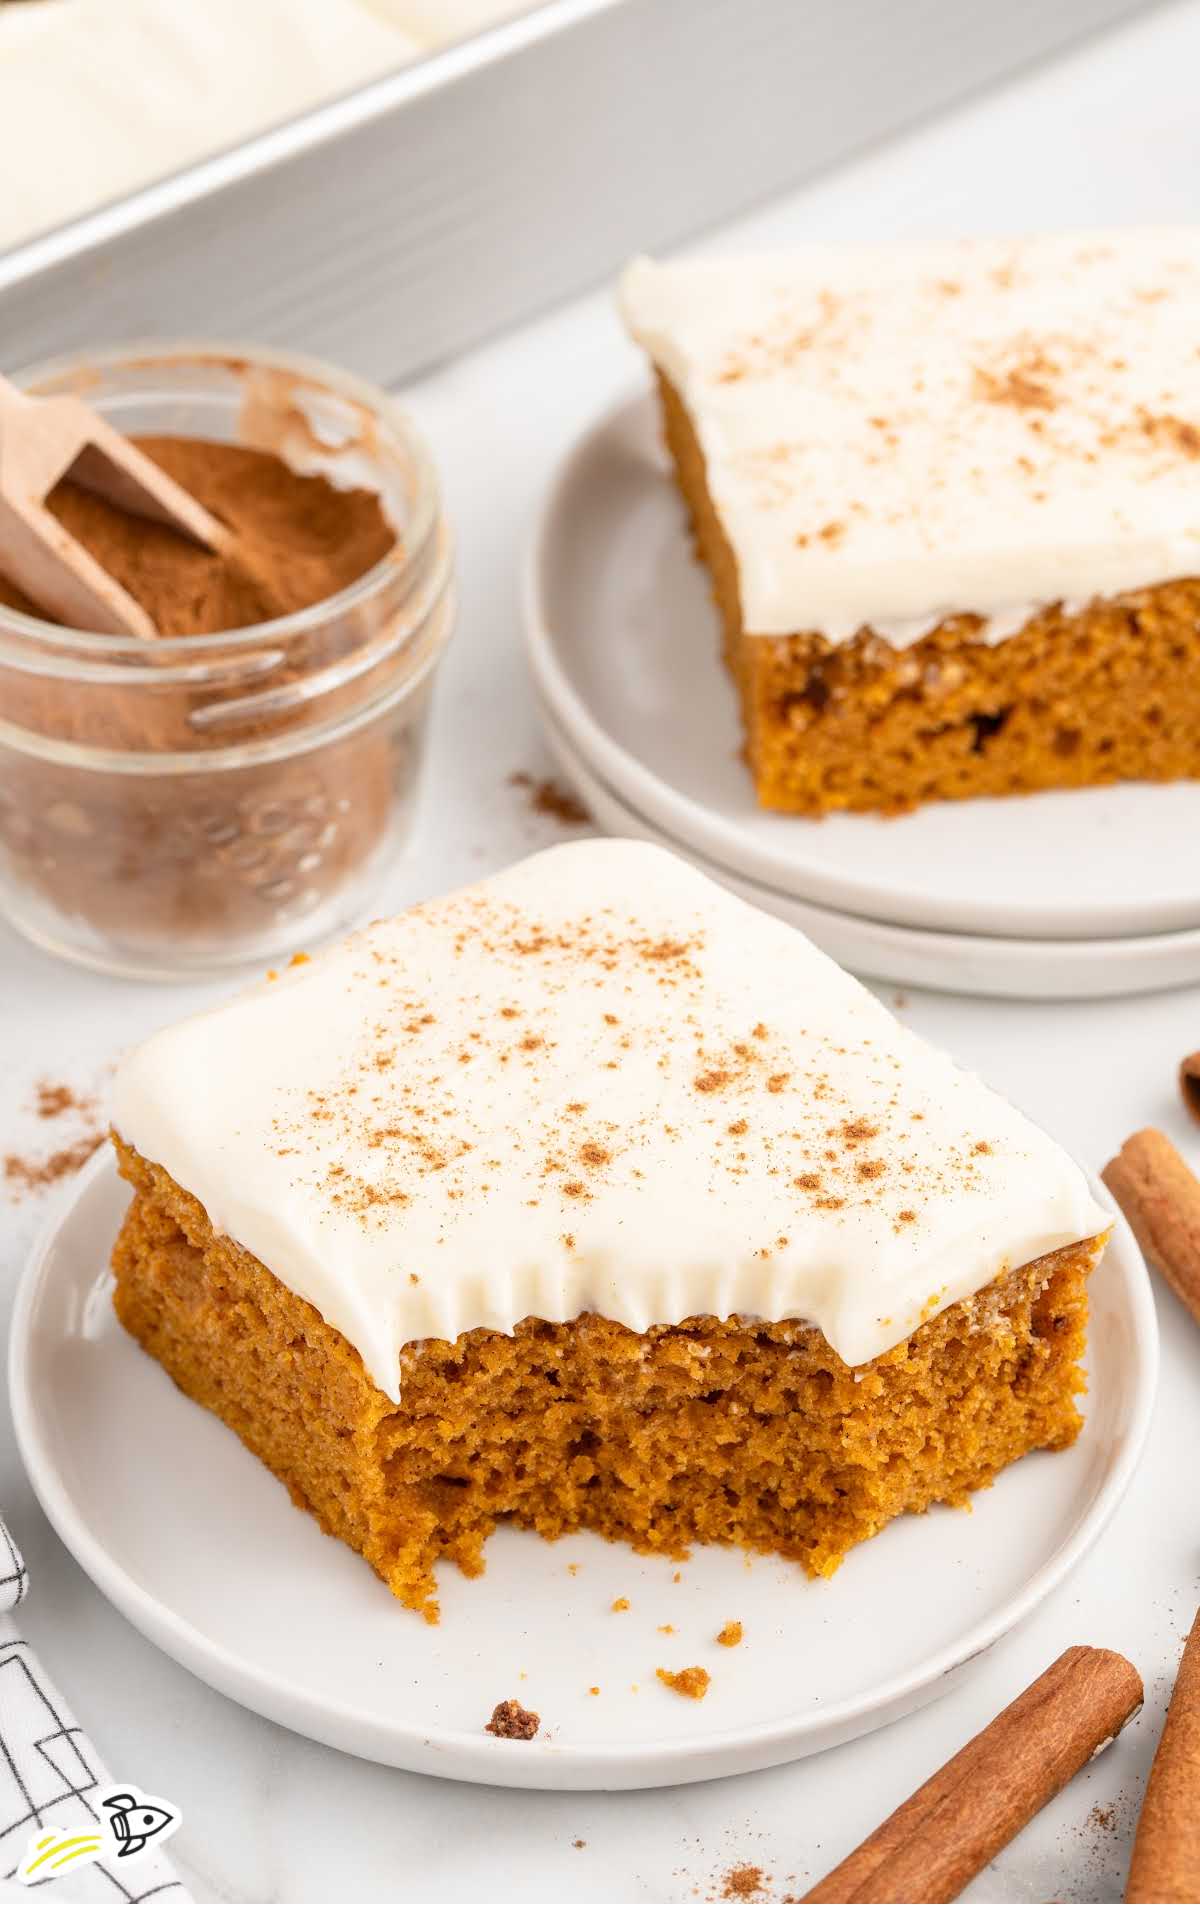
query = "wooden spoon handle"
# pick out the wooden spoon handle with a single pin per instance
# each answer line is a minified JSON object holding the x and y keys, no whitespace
{"x":43,"y":439}
{"x":40,"y":438}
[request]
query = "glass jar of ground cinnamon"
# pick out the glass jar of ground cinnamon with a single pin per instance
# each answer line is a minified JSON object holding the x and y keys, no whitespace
{"x":228,"y":791}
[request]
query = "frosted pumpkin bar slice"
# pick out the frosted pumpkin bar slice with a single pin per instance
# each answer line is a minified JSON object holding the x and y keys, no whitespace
{"x":591,"y":1197}
{"x":949,"y":497}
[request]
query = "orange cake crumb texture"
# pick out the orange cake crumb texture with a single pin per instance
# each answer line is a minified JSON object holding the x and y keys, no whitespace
{"x":730,"y":1635}
{"x":1076,"y":698}
{"x":755,"y":1435}
{"x":692,"y":1682}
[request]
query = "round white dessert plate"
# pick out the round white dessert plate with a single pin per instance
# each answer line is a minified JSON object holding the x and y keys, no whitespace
{"x":622,"y":637}
{"x":948,"y":962}
{"x":201,"y":1549}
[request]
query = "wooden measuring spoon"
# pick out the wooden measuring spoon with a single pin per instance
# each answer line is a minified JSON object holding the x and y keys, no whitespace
{"x":43,"y":439}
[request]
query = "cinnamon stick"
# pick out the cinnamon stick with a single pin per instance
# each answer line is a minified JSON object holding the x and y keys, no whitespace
{"x":936,"y":1842}
{"x":1189,"y":1083}
{"x":1161,"y":1198}
{"x":1166,"y":1851}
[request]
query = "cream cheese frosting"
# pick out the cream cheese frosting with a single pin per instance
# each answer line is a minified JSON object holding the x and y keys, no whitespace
{"x":594,"y":1082}
{"x":899,"y":433}
{"x":99,"y":98}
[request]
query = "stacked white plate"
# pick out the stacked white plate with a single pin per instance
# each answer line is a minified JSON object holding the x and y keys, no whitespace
{"x":1067,"y":895}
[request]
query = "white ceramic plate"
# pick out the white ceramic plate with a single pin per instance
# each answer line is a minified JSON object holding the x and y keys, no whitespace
{"x":948,"y":962}
{"x":623,"y":642}
{"x":197,"y":1544}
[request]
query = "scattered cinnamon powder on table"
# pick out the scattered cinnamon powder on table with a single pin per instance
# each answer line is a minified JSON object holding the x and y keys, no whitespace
{"x":26,"y":1174}
{"x":692,"y":1682}
{"x":511,"y":1721}
{"x":35,"y":1174}
{"x":551,"y":799}
{"x":744,"y":1881}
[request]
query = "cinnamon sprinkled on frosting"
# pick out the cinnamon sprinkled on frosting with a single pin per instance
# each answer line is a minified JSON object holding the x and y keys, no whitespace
{"x":896,"y":434}
{"x":670,"y":1105}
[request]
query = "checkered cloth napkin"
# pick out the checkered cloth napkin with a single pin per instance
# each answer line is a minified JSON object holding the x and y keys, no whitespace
{"x":50,"y":1773}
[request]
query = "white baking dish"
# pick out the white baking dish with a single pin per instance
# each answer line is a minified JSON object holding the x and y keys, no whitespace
{"x":404,"y":222}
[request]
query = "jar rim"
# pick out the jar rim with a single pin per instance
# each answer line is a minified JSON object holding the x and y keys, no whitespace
{"x":87,"y":644}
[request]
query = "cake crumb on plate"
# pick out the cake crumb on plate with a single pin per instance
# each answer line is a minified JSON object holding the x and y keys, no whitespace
{"x":692,"y":1682}
{"x":511,"y":1721}
{"x":730,"y":1635}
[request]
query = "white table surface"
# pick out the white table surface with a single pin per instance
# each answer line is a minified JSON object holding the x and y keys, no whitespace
{"x":1109,"y":134}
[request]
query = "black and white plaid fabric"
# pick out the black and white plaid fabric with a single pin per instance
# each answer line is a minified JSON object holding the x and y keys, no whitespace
{"x":50,"y":1773}
{"x":14,"y":1575}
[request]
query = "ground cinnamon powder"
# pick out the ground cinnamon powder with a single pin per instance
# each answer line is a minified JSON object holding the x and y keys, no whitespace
{"x":187,"y":861}
{"x":551,"y":800}
{"x":23,"y":1174}
{"x":297,"y":539}
{"x":743,"y":1881}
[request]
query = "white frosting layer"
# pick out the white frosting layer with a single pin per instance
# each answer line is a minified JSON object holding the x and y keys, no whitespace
{"x":437,"y":22}
{"x":595,"y":1082}
{"x":101,"y":97}
{"x":898,"y":433}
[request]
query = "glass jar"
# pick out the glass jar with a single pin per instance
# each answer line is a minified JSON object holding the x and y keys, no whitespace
{"x":172,"y":807}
